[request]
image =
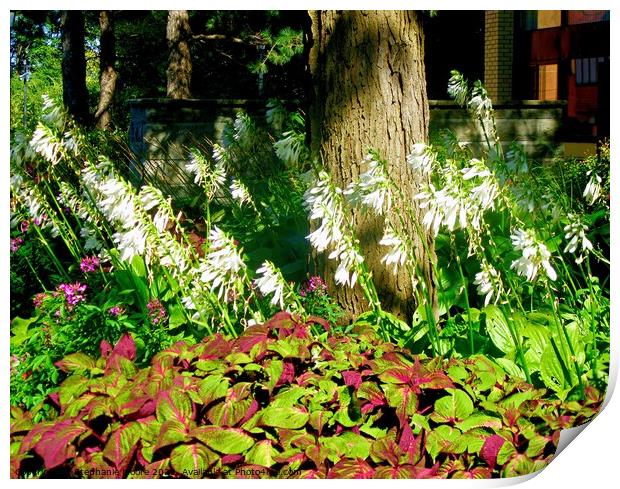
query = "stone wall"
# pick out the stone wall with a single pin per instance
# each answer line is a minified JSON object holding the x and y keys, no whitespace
{"x":161,"y":130}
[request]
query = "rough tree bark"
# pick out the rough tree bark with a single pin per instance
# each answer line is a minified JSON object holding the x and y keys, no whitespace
{"x":178,"y":34}
{"x":74,"y":91}
{"x":369,"y":91}
{"x":107,"y":72}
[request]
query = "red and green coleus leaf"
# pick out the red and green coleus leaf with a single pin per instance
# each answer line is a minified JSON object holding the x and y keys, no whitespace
{"x":55,"y":445}
{"x":174,"y":404}
{"x":252,"y":336}
{"x":171,"y":432}
{"x":125,"y":349}
{"x":453,"y":408}
{"x":262,"y":453}
{"x":212,"y":388}
{"x":224,"y":440}
{"x":398,"y":472}
{"x":77,"y":362}
{"x":346,"y":445}
{"x":521,"y":464}
{"x":236,"y":408}
{"x":214,"y":348}
{"x":351,"y":469}
{"x":441,"y":440}
{"x":284,"y":417}
{"x":121,"y":445}
{"x":192,"y":460}
{"x":72,"y":388}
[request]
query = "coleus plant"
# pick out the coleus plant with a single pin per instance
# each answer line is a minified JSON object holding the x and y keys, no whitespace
{"x":276,"y":402}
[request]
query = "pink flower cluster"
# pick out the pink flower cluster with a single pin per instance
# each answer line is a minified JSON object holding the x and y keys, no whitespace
{"x":16,"y":244}
{"x":315,"y":284}
{"x":74,"y":293}
{"x":157,"y":313}
{"x":89,"y":264}
{"x":116,"y":311}
{"x":38,"y":299}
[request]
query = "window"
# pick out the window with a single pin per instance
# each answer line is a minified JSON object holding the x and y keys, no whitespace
{"x":548,"y":82}
{"x":586,"y":70}
{"x":587,"y":16}
{"x":549,"y":18}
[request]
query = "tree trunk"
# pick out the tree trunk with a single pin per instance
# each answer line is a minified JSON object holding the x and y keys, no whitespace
{"x":107,"y":73}
{"x":179,"y":71}
{"x":74,"y":92}
{"x":369,"y":92}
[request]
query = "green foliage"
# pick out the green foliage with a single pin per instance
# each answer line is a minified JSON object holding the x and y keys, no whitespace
{"x":279,"y":403}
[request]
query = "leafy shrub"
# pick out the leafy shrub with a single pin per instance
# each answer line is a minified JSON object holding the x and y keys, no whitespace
{"x":277,"y":403}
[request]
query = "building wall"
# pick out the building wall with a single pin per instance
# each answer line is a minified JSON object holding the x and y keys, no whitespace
{"x":498,"y":54}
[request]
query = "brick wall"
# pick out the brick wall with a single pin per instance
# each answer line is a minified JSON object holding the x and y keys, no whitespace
{"x":498,"y":54}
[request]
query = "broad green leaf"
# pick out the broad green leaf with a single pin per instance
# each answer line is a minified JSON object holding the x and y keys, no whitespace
{"x":511,"y":368}
{"x":172,"y":431}
{"x":346,"y":445}
{"x":72,"y":388}
{"x":551,"y":370}
{"x":274,"y":370}
{"x":536,"y":446}
{"x":225,"y":440}
{"x":19,"y":330}
{"x":506,"y":452}
{"x":192,"y":460}
{"x":284,"y":417}
{"x":498,"y":329}
{"x":212,"y":388}
{"x":454,"y":407}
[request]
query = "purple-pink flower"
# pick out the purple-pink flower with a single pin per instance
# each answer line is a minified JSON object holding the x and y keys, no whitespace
{"x":314,"y":284}
{"x":89,"y":264}
{"x":74,"y":293}
{"x":16,"y":244}
{"x":156,"y":310}
{"x":38,"y":299}
{"x":24,"y":226}
{"x":116,"y":311}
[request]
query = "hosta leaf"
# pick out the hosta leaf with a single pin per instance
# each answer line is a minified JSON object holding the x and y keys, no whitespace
{"x":498,"y":329}
{"x":224,"y":440}
{"x":262,"y":453}
{"x":457,"y":406}
{"x":55,"y":445}
{"x":121,"y":444}
{"x":192,"y":460}
{"x":351,"y":469}
{"x":551,"y":370}
{"x":511,"y":368}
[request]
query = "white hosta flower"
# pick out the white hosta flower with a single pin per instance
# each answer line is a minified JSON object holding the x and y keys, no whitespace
{"x":240,"y":192}
{"x":131,"y":242}
{"x":150,"y":197}
{"x":593,"y":189}
{"x":349,"y":262}
{"x":290,"y":147}
{"x":445,"y":207}
{"x":480,"y":103}
{"x":323,"y":200}
{"x":421,"y":158}
{"x":488,"y":283}
{"x":372,"y":189}
{"x":576,"y":235}
{"x":271,"y":281}
{"x":211,"y":177}
{"x":46,"y":144}
{"x":223,"y":265}
{"x":534,"y":256}
{"x":397,"y":256}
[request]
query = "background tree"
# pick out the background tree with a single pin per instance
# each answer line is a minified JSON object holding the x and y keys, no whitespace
{"x":107,"y":71}
{"x":179,"y":73}
{"x":369,"y":91}
{"x":75,"y":93}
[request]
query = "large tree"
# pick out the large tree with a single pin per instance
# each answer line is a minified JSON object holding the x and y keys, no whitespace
{"x":75,"y":93}
{"x":369,"y":91}
{"x":179,"y":73}
{"x":107,"y":71}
